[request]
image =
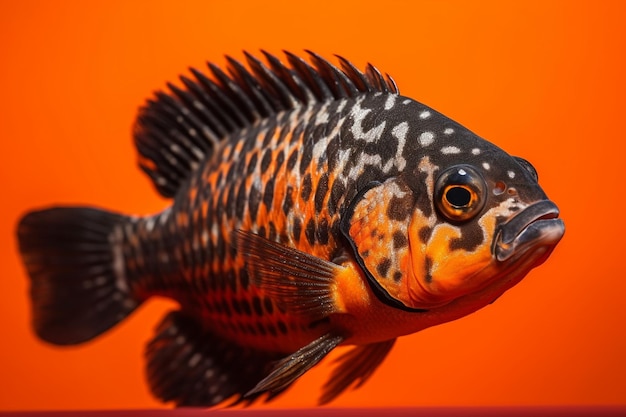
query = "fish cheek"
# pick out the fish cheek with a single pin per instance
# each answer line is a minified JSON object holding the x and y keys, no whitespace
{"x":448,"y":260}
{"x":378,"y":231}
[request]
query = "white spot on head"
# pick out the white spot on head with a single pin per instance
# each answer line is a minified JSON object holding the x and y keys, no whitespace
{"x":391,"y":101}
{"x":448,"y":131}
{"x":511,"y":174}
{"x":475,"y":151}
{"x":486,"y":165}
{"x":407,"y":101}
{"x":426,"y":138}
{"x":373,"y":135}
{"x":450,"y":150}
{"x":424,"y":115}
{"x":399,"y":131}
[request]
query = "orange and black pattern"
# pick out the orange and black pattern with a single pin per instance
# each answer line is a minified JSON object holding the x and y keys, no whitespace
{"x":313,"y":206}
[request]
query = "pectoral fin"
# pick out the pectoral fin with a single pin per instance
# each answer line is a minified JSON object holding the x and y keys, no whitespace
{"x":303,"y":283}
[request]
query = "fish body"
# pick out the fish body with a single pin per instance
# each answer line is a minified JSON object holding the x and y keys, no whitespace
{"x":312,"y":207}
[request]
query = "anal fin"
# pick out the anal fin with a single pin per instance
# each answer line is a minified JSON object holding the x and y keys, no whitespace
{"x":190,"y":366}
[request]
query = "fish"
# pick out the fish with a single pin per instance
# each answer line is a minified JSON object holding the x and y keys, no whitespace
{"x":312,"y":206}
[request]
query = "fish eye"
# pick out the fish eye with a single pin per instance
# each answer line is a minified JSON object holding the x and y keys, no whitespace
{"x":460,"y":193}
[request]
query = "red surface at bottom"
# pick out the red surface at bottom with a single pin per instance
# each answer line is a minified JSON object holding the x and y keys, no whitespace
{"x":602,"y":411}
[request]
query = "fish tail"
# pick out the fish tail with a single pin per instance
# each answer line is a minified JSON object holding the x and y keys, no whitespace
{"x":78,"y":283}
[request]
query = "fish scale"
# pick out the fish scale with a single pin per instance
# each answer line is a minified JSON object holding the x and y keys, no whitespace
{"x":312,"y":207}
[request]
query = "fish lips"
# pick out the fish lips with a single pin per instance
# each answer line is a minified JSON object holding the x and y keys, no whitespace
{"x":536,"y":225}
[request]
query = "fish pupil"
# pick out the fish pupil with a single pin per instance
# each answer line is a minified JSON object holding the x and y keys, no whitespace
{"x":458,"y":196}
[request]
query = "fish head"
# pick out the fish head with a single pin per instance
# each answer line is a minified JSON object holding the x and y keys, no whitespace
{"x":465,"y":217}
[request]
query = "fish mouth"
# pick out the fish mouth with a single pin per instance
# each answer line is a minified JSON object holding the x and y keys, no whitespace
{"x":536,"y":225}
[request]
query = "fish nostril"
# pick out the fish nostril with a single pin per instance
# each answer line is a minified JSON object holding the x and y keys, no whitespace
{"x":511,"y":191}
{"x":499,"y":188}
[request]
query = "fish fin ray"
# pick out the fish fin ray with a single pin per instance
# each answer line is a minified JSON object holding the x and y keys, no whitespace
{"x":301,"y":282}
{"x":293,"y":366}
{"x":192,"y":367}
{"x":175,"y":132}
{"x":75,"y":287}
{"x":356,"y":365}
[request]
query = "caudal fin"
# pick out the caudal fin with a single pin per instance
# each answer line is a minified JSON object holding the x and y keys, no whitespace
{"x":78,"y":287}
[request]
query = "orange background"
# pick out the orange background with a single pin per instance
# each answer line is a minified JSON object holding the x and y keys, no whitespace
{"x":544,"y":80}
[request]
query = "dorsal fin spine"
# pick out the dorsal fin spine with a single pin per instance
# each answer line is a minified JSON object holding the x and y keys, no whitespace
{"x":222,"y":102}
{"x":174,"y":132}
{"x":206,"y":108}
{"x":246,"y":105}
{"x":251,"y":86}
{"x":310,"y":76}
{"x":354,"y":74}
{"x":190,"y":120}
{"x":270,"y":81}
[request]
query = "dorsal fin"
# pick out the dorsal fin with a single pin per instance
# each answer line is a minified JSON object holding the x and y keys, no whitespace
{"x":175,"y":131}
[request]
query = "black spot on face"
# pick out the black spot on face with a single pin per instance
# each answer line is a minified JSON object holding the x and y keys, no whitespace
{"x":399,"y":240}
{"x":397,"y":276}
{"x":383,"y":267}
{"x":269,"y":306}
{"x":471,"y":238}
{"x":400,"y":208}
{"x":425,"y":233}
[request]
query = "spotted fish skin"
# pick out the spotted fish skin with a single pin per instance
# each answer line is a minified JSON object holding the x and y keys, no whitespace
{"x":312,"y":207}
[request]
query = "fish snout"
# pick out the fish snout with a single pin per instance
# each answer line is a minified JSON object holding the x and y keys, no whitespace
{"x":537,"y":225}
